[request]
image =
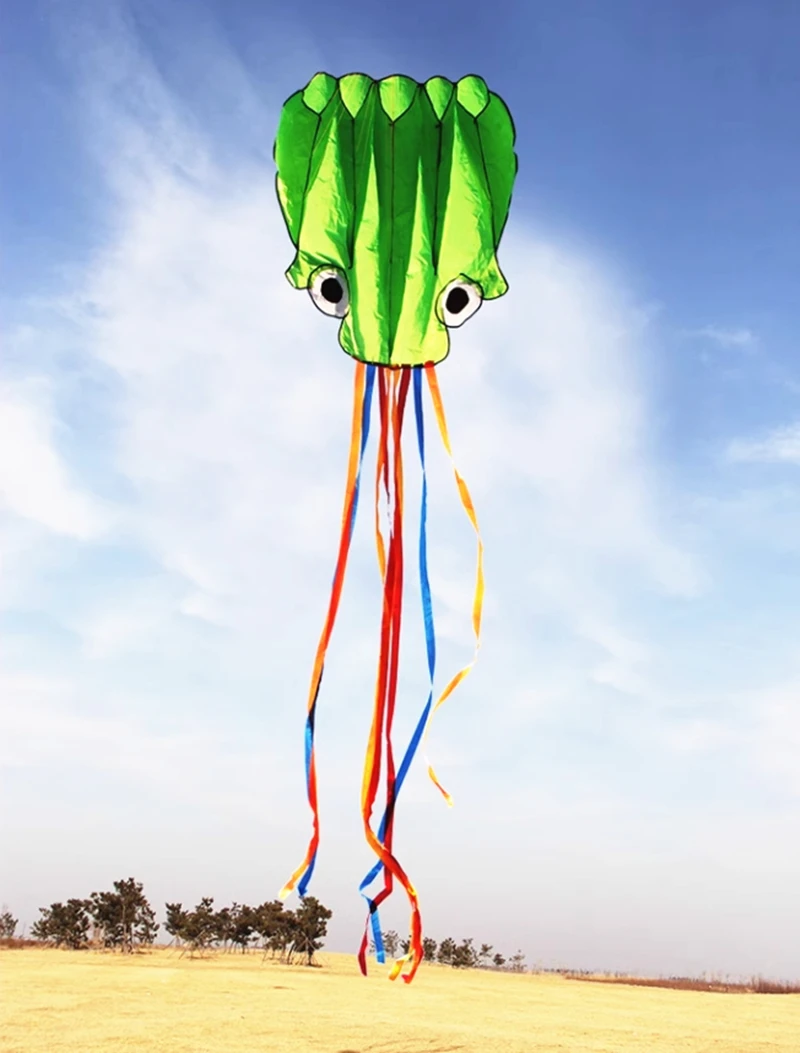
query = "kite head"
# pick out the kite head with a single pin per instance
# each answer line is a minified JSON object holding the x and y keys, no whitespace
{"x":395,"y":195}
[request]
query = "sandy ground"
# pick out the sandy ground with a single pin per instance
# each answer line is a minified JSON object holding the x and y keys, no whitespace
{"x":57,"y":1001}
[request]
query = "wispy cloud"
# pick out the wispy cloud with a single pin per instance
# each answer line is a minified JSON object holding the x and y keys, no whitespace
{"x":45,"y":724}
{"x":781,"y":446}
{"x":35,"y":482}
{"x":740,"y":337}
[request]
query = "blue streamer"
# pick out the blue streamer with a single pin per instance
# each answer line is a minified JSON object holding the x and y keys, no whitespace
{"x":430,"y":641}
{"x":369,"y":386}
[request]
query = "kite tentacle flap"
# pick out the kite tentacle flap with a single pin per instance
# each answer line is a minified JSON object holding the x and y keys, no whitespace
{"x":381,"y":482}
{"x":386,"y":689}
{"x":362,"y":400}
{"x":421,"y":731}
{"x":430,"y":641}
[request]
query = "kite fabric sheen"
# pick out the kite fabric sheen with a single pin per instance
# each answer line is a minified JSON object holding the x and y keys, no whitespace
{"x":395,"y":195}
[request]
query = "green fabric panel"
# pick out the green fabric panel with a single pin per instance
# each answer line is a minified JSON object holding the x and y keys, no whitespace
{"x":440,"y":91}
{"x":416,"y":333}
{"x":325,"y":234}
{"x":473,"y":94}
{"x":496,"y":130}
{"x":365,"y":331}
{"x":354,"y":89}
{"x":466,"y":238}
{"x":293,"y":146}
{"x":397,"y":93}
{"x":319,"y":91}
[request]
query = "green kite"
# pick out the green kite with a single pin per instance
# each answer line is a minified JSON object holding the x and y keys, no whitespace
{"x":395,"y":195}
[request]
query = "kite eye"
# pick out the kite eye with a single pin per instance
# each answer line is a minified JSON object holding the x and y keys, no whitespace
{"x":458,"y":302}
{"x":328,"y":290}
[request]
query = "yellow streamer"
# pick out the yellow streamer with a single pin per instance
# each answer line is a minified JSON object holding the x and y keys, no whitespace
{"x":477,"y":602}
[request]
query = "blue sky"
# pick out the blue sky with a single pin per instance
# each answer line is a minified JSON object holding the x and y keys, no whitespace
{"x":173,"y":424}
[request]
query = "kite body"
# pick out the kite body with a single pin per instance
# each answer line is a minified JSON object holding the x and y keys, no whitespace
{"x":395,"y":195}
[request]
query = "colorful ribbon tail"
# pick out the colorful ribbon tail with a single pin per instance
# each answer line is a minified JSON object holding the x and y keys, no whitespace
{"x":359,"y":434}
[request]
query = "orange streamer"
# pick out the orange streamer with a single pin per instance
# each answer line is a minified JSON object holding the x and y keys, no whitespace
{"x":333,"y":607}
{"x":477,"y":602}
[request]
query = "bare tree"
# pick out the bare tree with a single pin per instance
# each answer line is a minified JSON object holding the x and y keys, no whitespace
{"x":464,"y":956}
{"x":429,"y":948}
{"x":199,"y":926}
{"x":8,"y":925}
{"x":122,"y":918}
{"x":268,"y":922}
{"x":176,"y":921}
{"x":447,"y":949}
{"x":311,"y":925}
{"x":391,"y":942}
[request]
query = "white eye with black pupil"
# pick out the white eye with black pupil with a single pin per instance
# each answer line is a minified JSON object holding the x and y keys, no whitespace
{"x":458,"y":302}
{"x":328,"y":290}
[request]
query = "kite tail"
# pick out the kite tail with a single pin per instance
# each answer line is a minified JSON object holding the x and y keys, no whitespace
{"x":423,"y":725}
{"x":362,"y":400}
{"x":392,"y":416}
{"x":430,"y":640}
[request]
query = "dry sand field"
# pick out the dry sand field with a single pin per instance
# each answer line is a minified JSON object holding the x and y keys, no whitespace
{"x":84,"y":1002}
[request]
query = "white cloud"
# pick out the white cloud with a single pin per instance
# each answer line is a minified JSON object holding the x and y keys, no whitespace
{"x":34,"y":480}
{"x":766,"y":733}
{"x":741,"y":337}
{"x":781,"y":446}
{"x":45,"y":723}
{"x":776,"y":736}
{"x":570,"y":345}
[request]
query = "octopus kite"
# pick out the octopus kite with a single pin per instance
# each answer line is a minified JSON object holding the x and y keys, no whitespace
{"x":395,"y":195}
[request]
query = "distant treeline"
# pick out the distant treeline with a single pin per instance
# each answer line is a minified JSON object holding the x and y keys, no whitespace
{"x":755,"y":985}
{"x":123,"y":920}
{"x":460,"y":955}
